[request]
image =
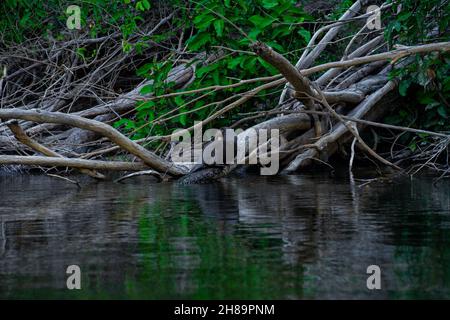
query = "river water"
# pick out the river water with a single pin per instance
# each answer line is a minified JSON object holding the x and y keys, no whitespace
{"x":293,"y":237}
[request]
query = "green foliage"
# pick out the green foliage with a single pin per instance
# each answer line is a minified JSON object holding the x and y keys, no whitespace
{"x":23,"y":17}
{"x":214,"y":22}
{"x":343,"y":6}
{"x":426,"y":79}
{"x":42,"y":18}
{"x":418,"y":21}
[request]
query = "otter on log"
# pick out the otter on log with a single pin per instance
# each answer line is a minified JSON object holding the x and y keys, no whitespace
{"x":225,"y":142}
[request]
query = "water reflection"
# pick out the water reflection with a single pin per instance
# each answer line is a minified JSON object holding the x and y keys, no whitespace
{"x":274,"y":237}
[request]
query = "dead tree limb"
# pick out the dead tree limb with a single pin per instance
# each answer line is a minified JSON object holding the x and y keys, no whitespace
{"x":327,"y":142}
{"x":355,"y":133}
{"x":300,"y":83}
{"x":22,"y":137}
{"x":112,"y":134}
{"x":302,"y":86}
{"x":72,"y":163}
{"x":394,"y":55}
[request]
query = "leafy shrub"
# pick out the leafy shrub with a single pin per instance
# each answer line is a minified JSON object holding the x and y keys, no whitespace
{"x":24,"y":19}
{"x":276,"y":22}
{"x":427,"y":78}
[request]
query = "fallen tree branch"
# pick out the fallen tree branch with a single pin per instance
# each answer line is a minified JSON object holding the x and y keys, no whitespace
{"x":440,"y":46}
{"x":112,"y":134}
{"x":362,"y":50}
{"x":327,"y":141}
{"x":304,"y":91}
{"x":380,"y":125}
{"x":72,"y":163}
{"x":308,"y":57}
{"x":23,"y":138}
{"x":443,"y":46}
{"x":355,"y":133}
{"x":249,"y":94}
{"x":300,"y":83}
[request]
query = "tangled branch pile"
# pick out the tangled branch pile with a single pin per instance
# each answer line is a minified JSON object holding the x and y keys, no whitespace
{"x":73,"y":100}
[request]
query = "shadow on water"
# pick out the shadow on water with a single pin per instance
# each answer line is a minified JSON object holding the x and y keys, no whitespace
{"x":257,"y":238}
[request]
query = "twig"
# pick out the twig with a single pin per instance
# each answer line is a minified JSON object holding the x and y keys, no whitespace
{"x":141,"y":173}
{"x":65,"y":179}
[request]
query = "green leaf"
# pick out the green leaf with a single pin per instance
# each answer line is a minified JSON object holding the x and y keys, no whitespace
{"x":140,"y":6}
{"x":281,"y":31}
{"x":261,"y":22}
{"x":205,"y":21}
{"x":120,"y":122}
{"x":232,"y":63}
{"x":250,"y":63}
{"x":403,"y":87}
{"x":151,"y":115}
{"x":425,"y":98}
{"x":81,"y":52}
{"x":126,"y":46}
{"x":199,"y":40}
{"x":218,"y":25}
{"x":146,"y":4}
{"x":145,"y":105}
{"x":305,"y":34}
{"x":285,"y":5}
{"x":129,"y":124}
{"x":144,"y":70}
{"x":412,"y":146}
{"x":446,"y":84}
{"x":146,"y":89}
{"x":203,"y":70}
{"x":404,"y":16}
{"x":23,"y":22}
{"x":216,"y":76}
{"x":442,"y":111}
{"x":397,"y":26}
{"x":253,"y":34}
{"x":268,"y":66}
{"x":182,"y":119}
{"x":423,"y":135}
{"x":179,"y":101}
{"x":269,"y":4}
{"x":275,"y":46}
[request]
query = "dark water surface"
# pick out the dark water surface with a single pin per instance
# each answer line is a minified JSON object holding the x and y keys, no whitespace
{"x":278,"y":237}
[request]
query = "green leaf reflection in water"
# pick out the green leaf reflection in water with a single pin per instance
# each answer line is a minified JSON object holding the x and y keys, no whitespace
{"x":184,"y":254}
